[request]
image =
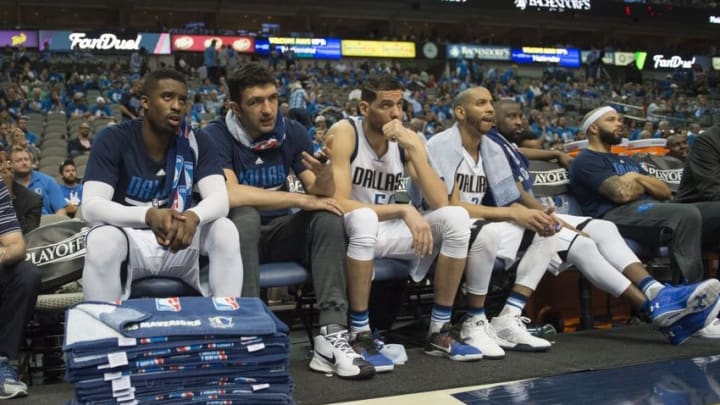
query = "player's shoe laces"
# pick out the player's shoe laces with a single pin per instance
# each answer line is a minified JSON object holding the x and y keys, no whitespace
{"x":10,"y":385}
{"x":365,"y":345}
{"x":447,"y":342}
{"x":480,"y":334}
{"x":681,"y":330}
{"x":333,"y":354}
{"x":673,"y":303}
{"x":512,"y":334}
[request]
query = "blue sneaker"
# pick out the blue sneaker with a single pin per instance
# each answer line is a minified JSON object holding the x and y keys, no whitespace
{"x":10,"y":386}
{"x":674,"y":303}
{"x":681,"y":330}
{"x":365,"y":345}
{"x":448,"y":343}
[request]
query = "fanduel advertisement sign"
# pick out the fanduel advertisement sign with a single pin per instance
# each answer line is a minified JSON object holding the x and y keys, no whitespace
{"x":66,"y":41}
{"x":553,"y":5}
{"x":660,"y":61}
{"x":105,"y":42}
{"x":469,"y":51}
{"x":672,"y":62}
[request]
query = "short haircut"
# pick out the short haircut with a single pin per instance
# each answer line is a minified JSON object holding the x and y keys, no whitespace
{"x":383,"y":82}
{"x":67,"y":162}
{"x":248,"y":75}
{"x":504,"y":102}
{"x":151,"y":80}
{"x":18,"y":149}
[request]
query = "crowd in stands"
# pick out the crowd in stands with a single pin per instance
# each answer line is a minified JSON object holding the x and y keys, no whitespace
{"x":319,"y":93}
{"x":49,"y":117}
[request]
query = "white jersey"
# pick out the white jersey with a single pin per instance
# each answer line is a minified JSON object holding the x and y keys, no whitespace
{"x":471,"y":180}
{"x":374,"y":179}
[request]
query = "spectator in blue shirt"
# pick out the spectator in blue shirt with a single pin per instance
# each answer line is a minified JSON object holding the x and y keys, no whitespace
{"x":115,"y":94}
{"x":101,"y":110}
{"x":211,"y":63}
{"x":39,"y":183}
{"x":30,"y":136}
{"x":71,"y":187}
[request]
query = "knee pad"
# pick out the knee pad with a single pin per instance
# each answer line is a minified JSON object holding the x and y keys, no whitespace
{"x":488,"y":238}
{"x":361,"y":226}
{"x":455,"y":231}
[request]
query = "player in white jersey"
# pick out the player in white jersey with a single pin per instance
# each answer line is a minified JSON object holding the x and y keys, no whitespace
{"x":461,"y":156}
{"x":602,"y":256}
{"x":369,"y":156}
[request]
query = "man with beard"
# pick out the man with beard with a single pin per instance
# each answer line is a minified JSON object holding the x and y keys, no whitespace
{"x":71,"y":187}
{"x":677,"y":146}
{"x":138,"y":195}
{"x":618,"y":189}
{"x":478,"y":178}
{"x":369,"y":157}
{"x":258,"y":148}
{"x":602,"y":256}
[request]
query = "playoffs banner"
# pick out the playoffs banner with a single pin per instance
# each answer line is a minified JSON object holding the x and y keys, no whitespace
{"x":665,"y":168}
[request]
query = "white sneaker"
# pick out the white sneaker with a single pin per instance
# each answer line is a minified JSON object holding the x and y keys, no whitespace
{"x":479,"y":333}
{"x":512,"y":334}
{"x":712,"y":331}
{"x":333,"y":354}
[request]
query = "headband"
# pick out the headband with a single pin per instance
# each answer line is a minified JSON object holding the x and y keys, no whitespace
{"x":595,"y":116}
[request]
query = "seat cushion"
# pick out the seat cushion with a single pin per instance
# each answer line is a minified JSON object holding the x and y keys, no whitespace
{"x":283,"y":274}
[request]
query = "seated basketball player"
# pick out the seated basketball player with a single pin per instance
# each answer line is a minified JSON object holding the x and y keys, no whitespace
{"x":258,"y":148}
{"x":369,"y":156}
{"x":138,"y":195}
{"x":603,"y":257}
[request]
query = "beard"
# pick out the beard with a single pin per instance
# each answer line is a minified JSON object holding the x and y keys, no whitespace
{"x":608,"y":137}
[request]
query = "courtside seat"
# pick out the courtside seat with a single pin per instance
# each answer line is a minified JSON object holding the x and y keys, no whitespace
{"x":391,"y":269}
{"x":283,"y":274}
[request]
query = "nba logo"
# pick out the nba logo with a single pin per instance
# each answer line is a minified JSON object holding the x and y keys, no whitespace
{"x":171,"y":304}
{"x":225,"y":303}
